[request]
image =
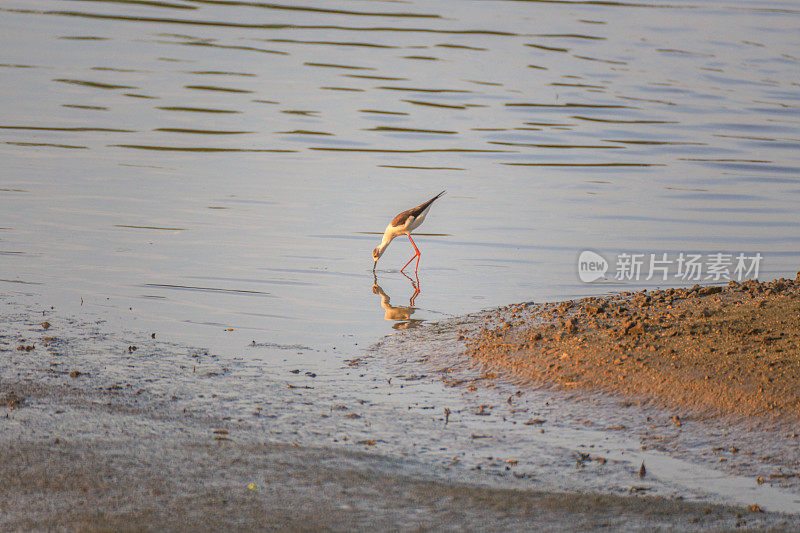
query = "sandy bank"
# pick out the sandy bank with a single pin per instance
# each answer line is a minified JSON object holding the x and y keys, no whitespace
{"x":96,"y":436}
{"x":97,"y":461}
{"x":731,"y":350}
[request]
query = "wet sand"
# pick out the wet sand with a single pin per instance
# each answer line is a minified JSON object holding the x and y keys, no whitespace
{"x":704,"y":350}
{"x":86,"y":460}
{"x":96,"y":434}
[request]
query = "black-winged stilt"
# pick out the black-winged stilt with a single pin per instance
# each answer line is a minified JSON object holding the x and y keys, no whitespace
{"x":404,"y":224}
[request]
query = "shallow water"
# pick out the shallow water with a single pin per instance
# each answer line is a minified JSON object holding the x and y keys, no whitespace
{"x":227,"y":165}
{"x":218,"y":172}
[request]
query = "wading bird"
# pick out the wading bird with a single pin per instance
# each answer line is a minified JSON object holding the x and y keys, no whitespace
{"x":404,"y":224}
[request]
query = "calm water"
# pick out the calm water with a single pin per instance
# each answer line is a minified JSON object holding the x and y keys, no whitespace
{"x":194,"y":166}
{"x":219,"y":172}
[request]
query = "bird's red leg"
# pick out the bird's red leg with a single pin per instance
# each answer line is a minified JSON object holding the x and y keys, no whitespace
{"x":404,"y":266}
{"x":414,"y":245}
{"x":419,"y":254}
{"x":416,"y":256}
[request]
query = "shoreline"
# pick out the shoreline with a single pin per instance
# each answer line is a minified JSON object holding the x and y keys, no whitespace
{"x":706,"y":350}
{"x":116,"y":472}
{"x":92,"y":441}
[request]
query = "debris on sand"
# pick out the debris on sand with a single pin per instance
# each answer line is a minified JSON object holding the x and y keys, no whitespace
{"x":727,"y":350}
{"x":11,"y":400}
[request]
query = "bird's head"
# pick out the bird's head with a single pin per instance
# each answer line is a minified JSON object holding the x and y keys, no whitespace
{"x":377,"y":253}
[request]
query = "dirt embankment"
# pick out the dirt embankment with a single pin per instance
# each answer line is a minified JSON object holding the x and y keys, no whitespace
{"x":732,"y":350}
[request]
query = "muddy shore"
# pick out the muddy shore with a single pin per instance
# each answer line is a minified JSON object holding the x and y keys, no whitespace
{"x":97,"y":461}
{"x":711,"y":350}
{"x":97,"y":434}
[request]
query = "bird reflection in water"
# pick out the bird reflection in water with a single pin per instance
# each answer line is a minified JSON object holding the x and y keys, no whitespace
{"x":401,"y":315}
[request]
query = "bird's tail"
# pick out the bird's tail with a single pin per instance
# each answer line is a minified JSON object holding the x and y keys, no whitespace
{"x":424,"y":206}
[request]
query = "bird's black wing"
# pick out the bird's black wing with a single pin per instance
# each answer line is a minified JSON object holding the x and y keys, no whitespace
{"x":414,"y":212}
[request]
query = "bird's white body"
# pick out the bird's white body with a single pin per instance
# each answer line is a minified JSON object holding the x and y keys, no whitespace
{"x":403,"y":224}
{"x":410,"y":224}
